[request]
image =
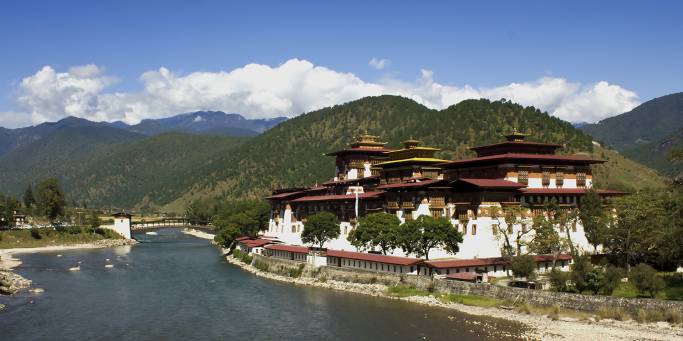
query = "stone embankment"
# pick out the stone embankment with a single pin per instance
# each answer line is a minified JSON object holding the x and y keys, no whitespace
{"x":541,"y":327}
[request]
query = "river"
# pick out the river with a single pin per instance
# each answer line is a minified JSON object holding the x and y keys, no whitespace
{"x":177,"y":287}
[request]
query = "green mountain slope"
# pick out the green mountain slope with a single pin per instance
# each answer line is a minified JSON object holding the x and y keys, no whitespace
{"x":622,"y":173}
{"x":649,"y":122}
{"x":292,"y":153}
{"x":149,"y":171}
{"x":654,"y":154}
{"x":61,"y":152}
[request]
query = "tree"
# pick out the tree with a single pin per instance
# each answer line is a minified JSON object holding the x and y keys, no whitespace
{"x":593,"y":218}
{"x":226,"y":237}
{"x":94,"y":220}
{"x":7,"y":207}
{"x":611,"y":279}
{"x":376,"y":230}
{"x":524,"y":266}
{"x":407,"y":238}
{"x":645,"y":279}
{"x":320,"y":228}
{"x":29,"y":200}
{"x":428,"y":233}
{"x":638,"y":228}
{"x":50,"y":198}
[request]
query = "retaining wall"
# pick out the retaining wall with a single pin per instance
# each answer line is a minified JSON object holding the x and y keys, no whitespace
{"x":589,"y":303}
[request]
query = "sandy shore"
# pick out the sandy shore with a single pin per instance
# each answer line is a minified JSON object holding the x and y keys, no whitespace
{"x":541,"y":327}
{"x":198,"y":233}
{"x":8,"y":262}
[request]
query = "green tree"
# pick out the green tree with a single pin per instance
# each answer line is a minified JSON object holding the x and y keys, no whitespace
{"x":29,"y":199}
{"x":524,"y":266}
{"x":376,"y":230}
{"x":593,"y":218}
{"x":645,"y":279}
{"x":611,"y":279}
{"x":638,"y":228}
{"x":94,"y":220}
{"x":428,"y":233}
{"x":8,"y":205}
{"x":582,"y":269}
{"x":50,"y":198}
{"x":226,"y":236}
{"x":320,"y":228}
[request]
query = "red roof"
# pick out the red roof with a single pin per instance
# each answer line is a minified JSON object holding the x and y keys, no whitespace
{"x":338,"y":197}
{"x":463,"y":276}
{"x":372,"y":257}
{"x":242,"y":238}
{"x":492,"y":183}
{"x":464,"y":263}
{"x":568,"y":191}
{"x":411,"y":184}
{"x":517,"y":143}
{"x":288,"y":248}
{"x":255,"y":242}
{"x":564,"y":159}
{"x":285,"y":195}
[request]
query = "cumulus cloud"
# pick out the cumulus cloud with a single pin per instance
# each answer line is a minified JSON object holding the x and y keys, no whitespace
{"x":294,"y":87}
{"x":378,"y":63}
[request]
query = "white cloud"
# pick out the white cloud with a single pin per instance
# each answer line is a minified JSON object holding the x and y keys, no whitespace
{"x":14,"y":119}
{"x":294,"y":87}
{"x":378,"y":63}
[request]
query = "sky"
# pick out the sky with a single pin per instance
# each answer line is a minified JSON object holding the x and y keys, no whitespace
{"x":130,"y":60}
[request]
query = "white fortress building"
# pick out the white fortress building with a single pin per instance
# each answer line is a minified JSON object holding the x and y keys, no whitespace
{"x":475,"y":194}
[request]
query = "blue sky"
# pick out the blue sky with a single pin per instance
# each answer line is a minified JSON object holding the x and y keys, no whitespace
{"x":635,"y":46}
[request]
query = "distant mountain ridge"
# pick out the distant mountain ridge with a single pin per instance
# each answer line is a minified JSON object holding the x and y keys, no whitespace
{"x":646,"y":133}
{"x":199,"y":122}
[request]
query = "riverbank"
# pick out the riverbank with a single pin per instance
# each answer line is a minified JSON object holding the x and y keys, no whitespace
{"x":198,"y":233}
{"x":541,"y":327}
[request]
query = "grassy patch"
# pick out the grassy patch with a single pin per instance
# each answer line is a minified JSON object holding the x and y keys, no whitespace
{"x":672,"y":291}
{"x":471,"y":300}
{"x":48,"y":237}
{"x":406,"y":291}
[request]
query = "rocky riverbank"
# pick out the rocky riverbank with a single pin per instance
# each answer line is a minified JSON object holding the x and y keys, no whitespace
{"x":541,"y":327}
{"x":11,"y":283}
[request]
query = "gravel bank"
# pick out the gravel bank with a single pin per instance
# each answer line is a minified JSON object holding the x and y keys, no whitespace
{"x":541,"y":327}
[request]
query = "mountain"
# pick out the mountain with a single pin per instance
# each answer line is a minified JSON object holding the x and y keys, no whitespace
{"x":291,"y":153}
{"x":206,"y":122}
{"x":109,"y":166}
{"x":651,"y":121}
{"x":200,"y":122}
{"x":646,"y":133}
{"x":57,"y":153}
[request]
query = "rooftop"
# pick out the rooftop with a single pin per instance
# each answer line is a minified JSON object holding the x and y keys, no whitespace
{"x":522,"y":157}
{"x":373,"y":257}
{"x":338,"y":197}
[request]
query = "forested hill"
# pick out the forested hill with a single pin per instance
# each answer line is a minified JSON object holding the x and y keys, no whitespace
{"x":292,"y":153}
{"x":649,"y":122}
{"x":647,"y":133}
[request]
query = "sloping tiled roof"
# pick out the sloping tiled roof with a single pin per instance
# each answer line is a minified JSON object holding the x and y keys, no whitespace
{"x":347,"y":181}
{"x":492,"y":183}
{"x":288,"y":248}
{"x":255,"y":242}
{"x":462,"y":263}
{"x":568,"y":191}
{"x":338,"y":197}
{"x":372,"y":257}
{"x":523,"y":157}
{"x":412,"y":184}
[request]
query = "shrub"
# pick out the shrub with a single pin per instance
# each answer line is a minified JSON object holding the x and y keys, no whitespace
{"x":611,"y":279}
{"x":263,"y":266}
{"x":641,"y":316}
{"x":558,"y":280}
{"x":582,"y":275}
{"x":524,"y":308}
{"x":524,"y":266}
{"x":645,"y":279}
{"x":612,"y":313}
{"x":673,"y":316}
{"x":555,"y":313}
{"x":35,"y":233}
{"x":296,"y":273}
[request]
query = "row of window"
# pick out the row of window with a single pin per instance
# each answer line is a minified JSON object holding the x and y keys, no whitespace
{"x":371,"y":265}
